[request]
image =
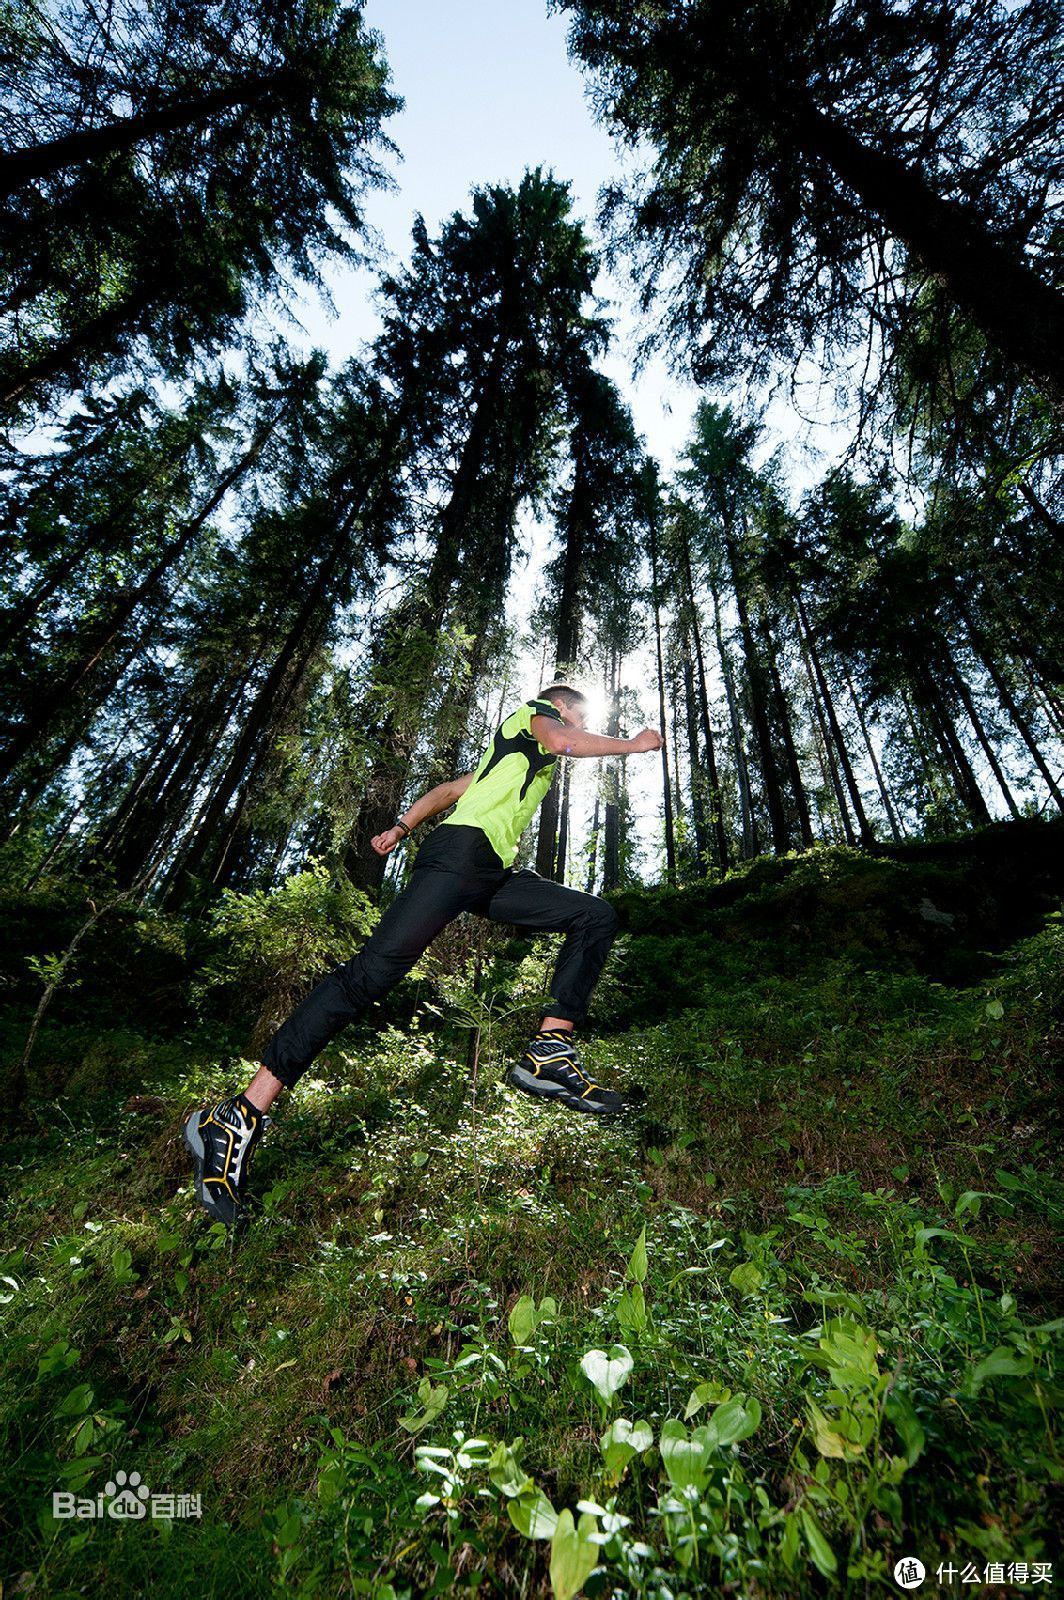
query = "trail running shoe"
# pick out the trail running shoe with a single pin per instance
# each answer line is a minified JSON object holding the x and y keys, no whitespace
{"x":220,"y":1139}
{"x":551,"y":1068}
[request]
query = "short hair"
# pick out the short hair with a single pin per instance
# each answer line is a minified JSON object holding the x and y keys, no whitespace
{"x":565,"y":693}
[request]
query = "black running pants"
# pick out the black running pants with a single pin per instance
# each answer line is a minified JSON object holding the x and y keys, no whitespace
{"x":455,"y":870}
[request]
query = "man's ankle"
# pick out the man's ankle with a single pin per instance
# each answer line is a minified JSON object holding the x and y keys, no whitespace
{"x":555,"y":1025}
{"x":263,"y":1089}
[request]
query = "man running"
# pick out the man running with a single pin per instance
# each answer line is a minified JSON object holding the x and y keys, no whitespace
{"x":466,"y":864}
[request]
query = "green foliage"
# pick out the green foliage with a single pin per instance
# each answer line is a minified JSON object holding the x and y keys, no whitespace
{"x":272,"y":944}
{"x":795,"y":1322}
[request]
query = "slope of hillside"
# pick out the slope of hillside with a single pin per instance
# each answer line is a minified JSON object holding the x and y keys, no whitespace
{"x":795,"y":1317}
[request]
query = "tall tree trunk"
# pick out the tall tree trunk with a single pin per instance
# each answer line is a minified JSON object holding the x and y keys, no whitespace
{"x":758,"y":703}
{"x":794,"y":771}
{"x":980,"y":733}
{"x":916,"y":741}
{"x":670,"y":839}
{"x":1019,"y":313}
{"x":698,"y":808}
{"x":751,"y":840}
{"x":592,"y":854}
{"x":884,"y":792}
{"x":302,"y":641}
{"x":547,"y":834}
{"x":611,"y":875}
{"x":867,"y":834}
{"x":715,"y":797}
{"x":148,"y":832}
{"x":826,"y":747}
{"x":426,"y":614}
{"x":968,"y":790}
{"x":563,"y":822}
{"x":981,"y":645}
{"x":103,"y":635}
{"x":549,"y":852}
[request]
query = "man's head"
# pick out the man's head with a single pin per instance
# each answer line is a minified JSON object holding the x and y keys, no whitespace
{"x":570,"y":702}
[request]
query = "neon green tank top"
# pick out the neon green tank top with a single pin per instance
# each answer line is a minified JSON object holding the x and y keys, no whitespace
{"x":511,"y":779}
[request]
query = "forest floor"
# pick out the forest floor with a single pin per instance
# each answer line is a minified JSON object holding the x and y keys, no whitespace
{"x":794,"y":1318}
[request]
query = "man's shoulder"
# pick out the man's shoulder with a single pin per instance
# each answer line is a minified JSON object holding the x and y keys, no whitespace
{"x":544,"y":708}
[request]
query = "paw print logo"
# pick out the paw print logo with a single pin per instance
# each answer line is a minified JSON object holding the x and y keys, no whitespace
{"x":127,"y":1496}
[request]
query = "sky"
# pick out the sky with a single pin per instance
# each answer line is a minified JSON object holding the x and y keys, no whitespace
{"x":489,"y":91}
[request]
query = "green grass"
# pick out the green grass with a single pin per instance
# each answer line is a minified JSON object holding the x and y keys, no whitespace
{"x":846,"y":1177}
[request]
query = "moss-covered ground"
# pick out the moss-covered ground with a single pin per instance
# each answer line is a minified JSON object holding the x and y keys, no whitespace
{"x":793,"y":1318}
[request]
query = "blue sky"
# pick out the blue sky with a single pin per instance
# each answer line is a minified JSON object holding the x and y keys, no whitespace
{"x":489,"y":92}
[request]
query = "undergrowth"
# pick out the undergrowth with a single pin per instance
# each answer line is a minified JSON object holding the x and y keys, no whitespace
{"x":793,"y":1319}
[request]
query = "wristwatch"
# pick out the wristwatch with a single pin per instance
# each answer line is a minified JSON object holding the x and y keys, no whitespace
{"x":399,"y":823}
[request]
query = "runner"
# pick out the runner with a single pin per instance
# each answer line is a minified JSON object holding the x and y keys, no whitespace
{"x":465,"y":865}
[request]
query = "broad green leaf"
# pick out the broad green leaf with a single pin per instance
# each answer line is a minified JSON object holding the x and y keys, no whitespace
{"x":573,"y":1558}
{"x":122,"y":1262}
{"x":995,"y":1010}
{"x":850,"y":1345}
{"x":684,"y":1455}
{"x":733,"y":1421}
{"x":533,"y":1515}
{"x":637,"y":1261}
{"x":522,"y":1320}
{"x":828,"y":1440}
{"x":505,"y":1474}
{"x":77,"y":1402}
{"x":923,"y":1234}
{"x":705,"y":1394}
{"x":822,"y":1553}
{"x":1004,"y":1362}
{"x":970,"y":1200}
{"x":607,"y":1370}
{"x":899,"y":1410}
{"x":745,"y":1277}
{"x":526,"y":1317}
{"x":631,"y":1312}
{"x":621,"y":1441}
{"x":433,"y":1399}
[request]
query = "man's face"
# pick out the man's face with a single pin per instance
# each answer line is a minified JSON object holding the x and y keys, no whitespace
{"x":574,"y":716}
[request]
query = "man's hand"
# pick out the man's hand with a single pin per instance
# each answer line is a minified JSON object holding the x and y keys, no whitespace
{"x":647,"y":739}
{"x":385,"y":842}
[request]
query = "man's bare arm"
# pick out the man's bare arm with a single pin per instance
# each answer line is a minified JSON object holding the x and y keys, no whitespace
{"x":562,"y":740}
{"x":429,"y":804}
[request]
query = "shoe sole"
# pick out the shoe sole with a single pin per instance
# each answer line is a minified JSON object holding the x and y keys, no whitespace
{"x":544,"y":1089}
{"x":194,"y":1145}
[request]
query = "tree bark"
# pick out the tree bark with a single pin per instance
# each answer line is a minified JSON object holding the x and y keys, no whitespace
{"x":751,"y":839}
{"x":1019,"y":313}
{"x":698,"y":808}
{"x":884,"y":792}
{"x":867,"y":834}
{"x":101,"y":638}
{"x":716,"y":803}
{"x":758,"y":701}
{"x":670,"y":839}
